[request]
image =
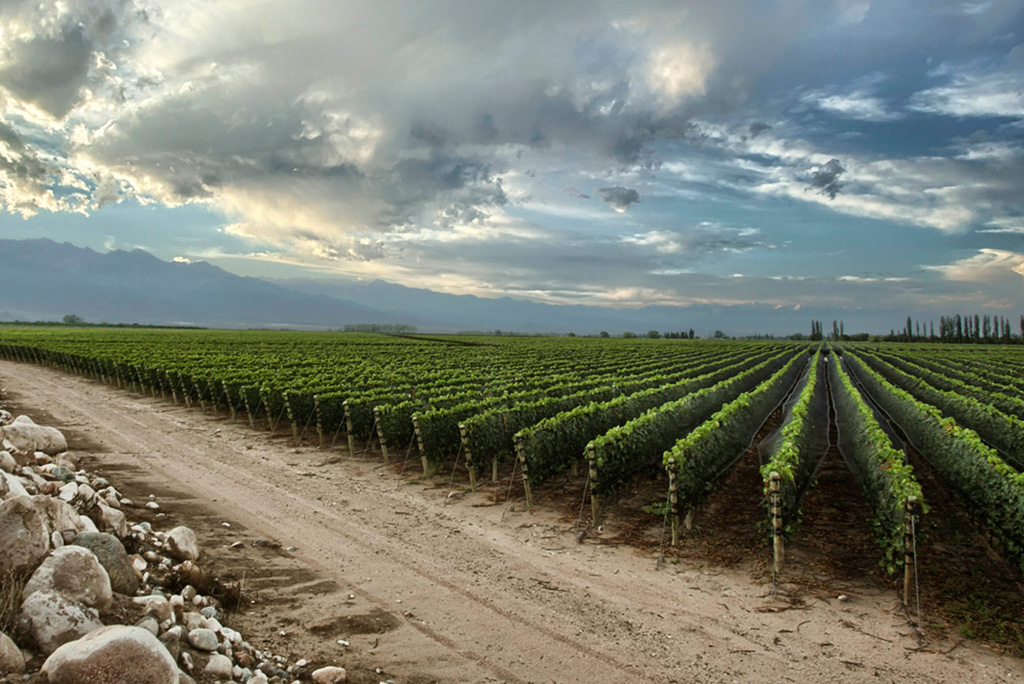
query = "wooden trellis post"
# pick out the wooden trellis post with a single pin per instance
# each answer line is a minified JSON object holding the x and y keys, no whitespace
{"x":521,"y":455}
{"x":469,"y":457}
{"x":910,"y":555}
{"x":778,"y":543}
{"x":673,"y":500}
{"x":348,"y":430}
{"x":419,"y":443}
{"x":595,"y":502}
{"x":380,"y":433}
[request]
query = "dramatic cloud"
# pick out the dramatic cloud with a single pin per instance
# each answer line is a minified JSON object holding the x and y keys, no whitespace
{"x":826,"y":178}
{"x":619,"y":198}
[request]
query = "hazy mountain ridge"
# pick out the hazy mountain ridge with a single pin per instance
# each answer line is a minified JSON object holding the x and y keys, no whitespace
{"x":44,"y":280}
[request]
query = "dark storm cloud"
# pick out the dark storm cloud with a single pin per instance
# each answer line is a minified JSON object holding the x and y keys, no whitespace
{"x":618,"y":197}
{"x":826,"y":179}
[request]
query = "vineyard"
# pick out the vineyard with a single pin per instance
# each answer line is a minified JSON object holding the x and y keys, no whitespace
{"x":911,"y":452}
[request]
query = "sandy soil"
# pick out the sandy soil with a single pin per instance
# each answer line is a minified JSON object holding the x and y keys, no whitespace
{"x":431,"y":584}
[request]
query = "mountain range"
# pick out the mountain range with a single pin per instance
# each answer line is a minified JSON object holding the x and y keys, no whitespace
{"x":44,"y":280}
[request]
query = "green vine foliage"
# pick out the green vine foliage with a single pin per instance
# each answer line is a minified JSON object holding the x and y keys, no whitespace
{"x":1005,"y":432}
{"x":696,"y":459}
{"x":551,"y":445}
{"x":994,"y":490}
{"x":792,"y":457}
{"x":879,"y":468}
{"x":625,"y":451}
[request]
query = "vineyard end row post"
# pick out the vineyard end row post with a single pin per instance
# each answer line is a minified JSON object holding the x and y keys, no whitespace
{"x":778,"y":544}
{"x":348,"y":430}
{"x":521,"y":455}
{"x":910,"y":556}
{"x":469,"y":457}
{"x":595,"y":502}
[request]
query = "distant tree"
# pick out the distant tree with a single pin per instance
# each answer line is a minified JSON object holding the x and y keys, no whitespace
{"x":719,"y":335}
{"x":603,"y":333}
{"x":653,"y":334}
{"x":572,"y":334}
{"x":1021,"y":327}
{"x":629,"y":335}
{"x":72,"y":319}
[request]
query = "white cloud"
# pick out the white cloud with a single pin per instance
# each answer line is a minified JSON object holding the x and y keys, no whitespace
{"x":987,"y":265}
{"x":972,"y":92}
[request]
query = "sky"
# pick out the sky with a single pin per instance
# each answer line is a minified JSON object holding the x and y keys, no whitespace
{"x":864,"y":156}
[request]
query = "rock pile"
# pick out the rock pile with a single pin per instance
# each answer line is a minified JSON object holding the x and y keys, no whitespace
{"x":67,"y":531}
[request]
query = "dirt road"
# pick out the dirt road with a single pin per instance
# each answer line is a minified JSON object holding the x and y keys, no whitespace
{"x":428,"y":585}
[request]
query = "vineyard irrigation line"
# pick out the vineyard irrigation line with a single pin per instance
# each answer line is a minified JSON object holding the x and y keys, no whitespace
{"x":306,"y":427}
{"x":454,"y":468}
{"x":408,"y":452}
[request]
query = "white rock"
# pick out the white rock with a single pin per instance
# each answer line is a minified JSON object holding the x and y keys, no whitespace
{"x":7,"y":462}
{"x":56,"y":540}
{"x":156,"y":604}
{"x":153,"y":505}
{"x":213,"y":624}
{"x":182,"y":543}
{"x":112,"y":520}
{"x":218,"y":666}
{"x":26,"y":436}
{"x":55,"y":619}
{"x":329,"y":675}
{"x":194,"y":621}
{"x":23,"y":420}
{"x":203,"y":639}
{"x":24,"y":535}
{"x":5,"y":417}
{"x":186,"y":661}
{"x":69,"y":492}
{"x":87,"y":525}
{"x":11,"y":659}
{"x":74,"y":572}
{"x":139,"y":563}
{"x":11,"y":486}
{"x":258,"y":678}
{"x":112,"y":654}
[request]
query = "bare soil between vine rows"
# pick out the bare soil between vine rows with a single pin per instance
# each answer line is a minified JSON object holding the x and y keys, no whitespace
{"x":430,"y":583}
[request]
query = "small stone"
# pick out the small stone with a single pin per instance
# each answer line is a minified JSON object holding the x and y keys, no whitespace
{"x":188,"y":593}
{"x":203,"y":639}
{"x":186,"y":661}
{"x":158,"y":605}
{"x":844,"y":598}
{"x":329,"y":675}
{"x":219,"y":666}
{"x":152,"y":505}
{"x":210,"y":612}
{"x":7,"y":462}
{"x":258,"y":678}
{"x":11,"y":659}
{"x":182,"y":543}
{"x":61,"y":473}
{"x":150,"y":624}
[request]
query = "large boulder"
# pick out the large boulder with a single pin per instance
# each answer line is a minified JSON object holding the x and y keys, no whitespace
{"x":55,"y":619}
{"x":112,"y":655}
{"x":74,"y":572}
{"x":112,"y":556}
{"x":11,"y":659}
{"x":182,"y":544}
{"x":24,"y":536}
{"x":29,"y":437}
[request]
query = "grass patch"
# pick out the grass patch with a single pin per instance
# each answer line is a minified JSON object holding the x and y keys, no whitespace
{"x":11,"y":585}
